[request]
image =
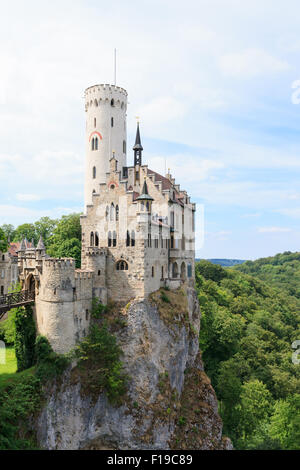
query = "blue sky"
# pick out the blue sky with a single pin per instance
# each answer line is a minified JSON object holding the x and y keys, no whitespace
{"x":212,"y":82}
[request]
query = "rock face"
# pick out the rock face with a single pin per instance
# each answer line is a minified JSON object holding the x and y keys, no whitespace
{"x":170,"y":402}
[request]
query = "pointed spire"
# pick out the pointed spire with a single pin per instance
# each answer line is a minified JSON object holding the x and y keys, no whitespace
{"x":23,"y":246}
{"x":40,"y":245}
{"x":138,"y":148}
{"x":138,"y":145}
{"x":145,"y":194}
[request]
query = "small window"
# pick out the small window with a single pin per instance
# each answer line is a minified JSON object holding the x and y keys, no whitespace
{"x":94,"y":172}
{"x":112,"y":122}
{"x":107,"y":213}
{"x":149,"y":240}
{"x":112,"y":212}
{"x":112,"y":102}
{"x":122,"y":266}
{"x":92,"y":239}
{"x":95,"y":122}
{"x":86,"y":315}
{"x":152,"y":271}
{"x":114,"y":238}
{"x":99,"y":272}
{"x":96,"y":143}
{"x":132,"y":238}
{"x":2,"y":290}
{"x":162,"y":272}
{"x":93,"y":144}
{"x":127,"y":238}
{"x":96,"y":239}
{"x":117,"y":212}
{"x":3,"y":257}
{"x":124,"y":146}
{"x":109,"y":238}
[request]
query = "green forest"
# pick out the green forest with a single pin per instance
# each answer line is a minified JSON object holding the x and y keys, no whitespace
{"x":248,"y":326}
{"x":250,"y":319}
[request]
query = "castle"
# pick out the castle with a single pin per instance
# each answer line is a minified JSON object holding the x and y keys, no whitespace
{"x":137,"y":231}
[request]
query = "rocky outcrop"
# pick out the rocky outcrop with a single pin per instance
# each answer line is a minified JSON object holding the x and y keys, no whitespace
{"x":170,"y":402}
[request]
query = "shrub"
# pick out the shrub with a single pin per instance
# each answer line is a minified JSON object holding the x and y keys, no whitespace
{"x":165,"y":298}
{"x":98,"y":308}
{"x":24,"y":337}
{"x":49,"y":364}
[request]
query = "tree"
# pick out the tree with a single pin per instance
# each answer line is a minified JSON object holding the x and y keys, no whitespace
{"x":3,"y":241}
{"x":26,"y":231}
{"x":9,"y":231}
{"x":66,"y":239}
{"x":45,"y":228}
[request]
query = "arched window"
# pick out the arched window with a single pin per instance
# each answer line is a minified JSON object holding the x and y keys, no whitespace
{"x":96,"y":143}
{"x":174,"y":270}
{"x":112,"y":122}
{"x":189,"y":270}
{"x":95,"y":122}
{"x":114,"y":238}
{"x":107,"y":213}
{"x":132,"y":238}
{"x":112,"y":211}
{"x":112,"y":102}
{"x":92,"y":239}
{"x":117,"y":212}
{"x":122,"y":266}
{"x":124,"y":146}
{"x":147,"y":206}
{"x":152,"y":271}
{"x":93,"y":143}
{"x":96,"y":239}
{"x":127,"y":238}
{"x":94,"y":172}
{"x":149,"y":240}
{"x":109,"y":238}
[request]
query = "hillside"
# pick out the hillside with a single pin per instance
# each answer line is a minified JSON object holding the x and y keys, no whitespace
{"x":247,"y":329}
{"x":282,"y":270}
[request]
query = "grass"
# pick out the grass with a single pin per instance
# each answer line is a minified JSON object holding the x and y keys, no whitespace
{"x":11,"y":362}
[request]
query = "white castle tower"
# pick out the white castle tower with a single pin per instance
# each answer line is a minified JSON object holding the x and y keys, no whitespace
{"x":105,"y":107}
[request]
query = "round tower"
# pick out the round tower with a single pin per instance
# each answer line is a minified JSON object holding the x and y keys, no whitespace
{"x":105,"y":107}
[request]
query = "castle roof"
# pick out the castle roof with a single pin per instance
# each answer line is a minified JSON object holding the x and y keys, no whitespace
{"x":145,"y":195}
{"x":40,"y":245}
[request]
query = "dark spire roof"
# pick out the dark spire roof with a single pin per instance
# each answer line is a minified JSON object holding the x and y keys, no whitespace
{"x":40,"y":245}
{"x":23,"y":246}
{"x":145,"y":195}
{"x":138,"y":145}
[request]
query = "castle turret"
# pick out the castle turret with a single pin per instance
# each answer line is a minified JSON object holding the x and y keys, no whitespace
{"x":105,"y":107}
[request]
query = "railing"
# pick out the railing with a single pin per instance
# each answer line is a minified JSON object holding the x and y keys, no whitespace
{"x":15,"y":299}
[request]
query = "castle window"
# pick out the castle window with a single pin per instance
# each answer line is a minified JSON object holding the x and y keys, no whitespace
{"x":99,"y":272}
{"x":148,"y":206}
{"x":94,"y":172}
{"x":122,"y":266}
{"x":117,"y":212}
{"x":92,"y":239}
{"x":94,"y":191}
{"x":95,"y":122}
{"x":112,"y":122}
{"x":2,"y":290}
{"x":189,"y":270}
{"x":124,"y":146}
{"x":174,"y":270}
{"x":172,"y":241}
{"x":132,"y":238}
{"x":156,"y":242}
{"x":162,"y":272}
{"x":96,"y":143}
{"x":114,"y":238}
{"x":127,"y":238}
{"x":112,"y":211}
{"x":96,"y":239}
{"x":109,"y":238}
{"x":107,"y":213}
{"x":3,"y":257}
{"x":93,"y":143}
{"x":86,"y":315}
{"x":152,"y":271}
{"x":149,"y":240}
{"x":112,"y":102}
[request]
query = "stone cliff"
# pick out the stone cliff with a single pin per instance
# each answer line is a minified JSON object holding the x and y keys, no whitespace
{"x":170,"y":402}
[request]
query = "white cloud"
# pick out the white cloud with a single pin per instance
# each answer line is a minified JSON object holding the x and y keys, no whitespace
{"x":27,"y":197}
{"x":251,"y":63}
{"x":273,"y":229}
{"x":293,"y":212}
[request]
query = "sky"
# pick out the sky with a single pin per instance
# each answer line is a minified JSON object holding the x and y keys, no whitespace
{"x":216,"y":85}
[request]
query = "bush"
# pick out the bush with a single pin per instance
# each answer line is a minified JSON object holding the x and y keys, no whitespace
{"x":98,"y":309}
{"x":99,"y":355}
{"x":24,"y":338}
{"x":165,"y":298}
{"x":48,"y":363}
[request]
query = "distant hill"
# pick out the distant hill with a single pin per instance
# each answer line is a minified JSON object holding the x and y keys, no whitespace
{"x":282,"y":270}
{"x":225,"y":262}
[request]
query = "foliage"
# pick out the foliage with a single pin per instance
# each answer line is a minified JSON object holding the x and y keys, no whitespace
{"x":247,"y":329}
{"x":25,"y":231}
{"x":164,"y":297}
{"x":48,"y":363}
{"x":3,"y":241}
{"x":10,"y":365}
{"x":100,"y":354}
{"x":24,"y":337}
{"x":8,"y":230}
{"x":282,"y":270}
{"x":98,"y":309}
{"x":66,"y":239}
{"x":8,"y":327}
